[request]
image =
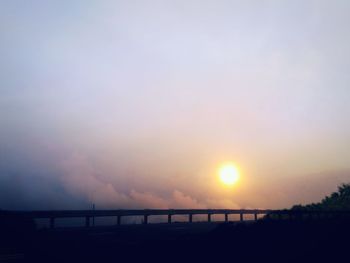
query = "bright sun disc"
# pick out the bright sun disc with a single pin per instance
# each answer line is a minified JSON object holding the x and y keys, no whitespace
{"x":229,"y":174}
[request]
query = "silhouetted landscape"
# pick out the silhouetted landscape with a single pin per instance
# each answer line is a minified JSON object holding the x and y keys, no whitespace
{"x":316,"y":237}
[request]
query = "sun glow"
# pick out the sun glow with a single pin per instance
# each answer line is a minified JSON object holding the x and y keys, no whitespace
{"x":229,"y":174}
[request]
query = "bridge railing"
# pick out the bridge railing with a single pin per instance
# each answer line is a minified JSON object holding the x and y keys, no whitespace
{"x":52,"y":215}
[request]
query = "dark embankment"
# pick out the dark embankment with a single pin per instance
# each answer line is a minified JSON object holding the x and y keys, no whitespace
{"x":322,"y":237}
{"x":322,"y":240}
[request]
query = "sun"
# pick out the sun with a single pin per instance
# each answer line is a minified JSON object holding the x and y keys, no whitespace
{"x":229,"y":174}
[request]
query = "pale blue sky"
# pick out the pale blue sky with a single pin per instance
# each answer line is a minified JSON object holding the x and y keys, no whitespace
{"x":118,"y":102}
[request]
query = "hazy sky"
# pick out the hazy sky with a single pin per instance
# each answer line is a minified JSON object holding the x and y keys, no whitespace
{"x":137,"y":103}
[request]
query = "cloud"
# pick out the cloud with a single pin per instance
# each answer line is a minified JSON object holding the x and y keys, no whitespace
{"x":222,"y":203}
{"x":80,"y":178}
{"x":148,"y":200}
{"x":181,"y":200}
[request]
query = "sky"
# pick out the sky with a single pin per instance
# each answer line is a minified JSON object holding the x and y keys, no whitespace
{"x":136,"y":104}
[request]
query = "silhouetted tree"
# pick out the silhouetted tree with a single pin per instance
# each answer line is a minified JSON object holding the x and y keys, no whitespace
{"x":339,"y":200}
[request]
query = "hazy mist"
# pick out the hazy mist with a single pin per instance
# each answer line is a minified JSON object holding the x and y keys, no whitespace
{"x":137,"y":103}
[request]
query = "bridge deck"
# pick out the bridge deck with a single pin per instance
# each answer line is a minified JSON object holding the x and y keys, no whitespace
{"x":88,"y":214}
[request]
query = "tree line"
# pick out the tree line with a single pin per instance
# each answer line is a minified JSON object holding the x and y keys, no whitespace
{"x":338,"y":201}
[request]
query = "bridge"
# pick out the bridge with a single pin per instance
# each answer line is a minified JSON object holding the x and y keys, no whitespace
{"x":52,"y":215}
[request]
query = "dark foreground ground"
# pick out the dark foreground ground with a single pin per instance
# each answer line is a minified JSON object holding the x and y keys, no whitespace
{"x":264,"y":241}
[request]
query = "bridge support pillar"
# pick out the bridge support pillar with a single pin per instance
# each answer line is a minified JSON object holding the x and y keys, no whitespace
{"x":226,"y":218}
{"x":52,"y":222}
{"x":169,"y":219}
{"x":209,"y":217}
{"x":190,"y":218}
{"x":87,"y":221}
{"x":145,"y":219}
{"x":241,"y":217}
{"x":119,"y":220}
{"x":256,"y":216}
